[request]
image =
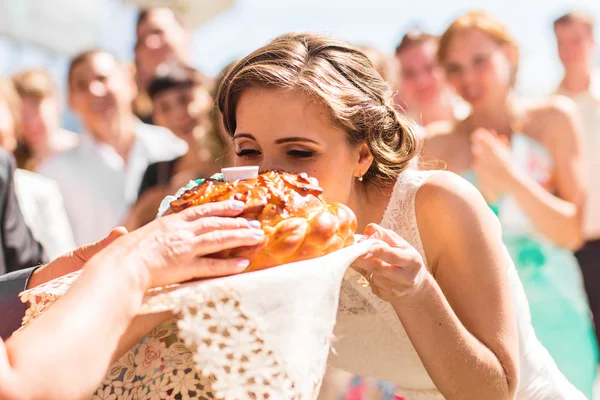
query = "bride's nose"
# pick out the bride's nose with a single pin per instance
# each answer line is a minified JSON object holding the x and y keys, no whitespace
{"x":269,"y":165}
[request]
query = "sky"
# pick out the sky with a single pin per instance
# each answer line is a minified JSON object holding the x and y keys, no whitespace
{"x":378,"y":23}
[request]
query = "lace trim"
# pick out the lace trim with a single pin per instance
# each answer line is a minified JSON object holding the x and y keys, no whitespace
{"x":400,"y":215}
{"x":214,"y":351}
{"x":43,"y":296}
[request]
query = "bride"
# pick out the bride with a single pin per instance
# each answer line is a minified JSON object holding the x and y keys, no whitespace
{"x":445,"y":286}
{"x":444,"y":315}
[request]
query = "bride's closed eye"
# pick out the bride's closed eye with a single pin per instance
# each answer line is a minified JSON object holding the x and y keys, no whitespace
{"x":301,"y":153}
{"x":247,"y":153}
{"x":297,"y":153}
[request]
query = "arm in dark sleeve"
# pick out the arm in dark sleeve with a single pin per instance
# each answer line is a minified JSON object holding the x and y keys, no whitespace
{"x":12,"y":310}
{"x":149,"y":180}
{"x":157,"y":174}
{"x":20,"y":248}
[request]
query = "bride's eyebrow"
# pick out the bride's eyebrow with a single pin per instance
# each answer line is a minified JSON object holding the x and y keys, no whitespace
{"x":295,"y":140}
{"x":244,"y":135}
{"x":291,"y":139}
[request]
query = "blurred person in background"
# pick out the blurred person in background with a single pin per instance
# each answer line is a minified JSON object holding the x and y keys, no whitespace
{"x":161,"y":38}
{"x":39,"y":198}
{"x":576,"y":49}
{"x":101,"y":177}
{"x":529,"y":165}
{"x":427,"y":95}
{"x":42,"y":134}
{"x":181,"y":104}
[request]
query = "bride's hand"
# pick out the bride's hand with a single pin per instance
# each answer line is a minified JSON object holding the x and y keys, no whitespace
{"x":174,"y":248}
{"x":392,"y":267}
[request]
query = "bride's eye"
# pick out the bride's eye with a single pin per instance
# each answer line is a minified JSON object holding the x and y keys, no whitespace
{"x":247,"y":153}
{"x":301,"y":153}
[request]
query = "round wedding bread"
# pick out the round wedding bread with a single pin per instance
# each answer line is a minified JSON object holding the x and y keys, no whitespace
{"x":297,"y":222}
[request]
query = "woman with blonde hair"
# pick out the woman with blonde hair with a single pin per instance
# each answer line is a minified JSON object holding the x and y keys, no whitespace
{"x":527,"y":161}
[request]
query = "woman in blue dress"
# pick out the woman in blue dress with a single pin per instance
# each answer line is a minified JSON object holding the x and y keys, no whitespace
{"x":527,"y":162}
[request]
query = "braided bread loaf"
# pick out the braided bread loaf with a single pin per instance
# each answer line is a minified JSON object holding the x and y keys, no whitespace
{"x":297,"y":222}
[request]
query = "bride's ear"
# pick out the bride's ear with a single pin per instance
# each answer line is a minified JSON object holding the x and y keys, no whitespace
{"x":365,"y":159}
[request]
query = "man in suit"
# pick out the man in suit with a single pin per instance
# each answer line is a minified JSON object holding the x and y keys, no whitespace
{"x":19,"y":251}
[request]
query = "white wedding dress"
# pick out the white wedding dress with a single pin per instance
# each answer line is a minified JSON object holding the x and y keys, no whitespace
{"x":372,"y":342}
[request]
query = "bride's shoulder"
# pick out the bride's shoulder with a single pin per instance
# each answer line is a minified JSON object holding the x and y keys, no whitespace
{"x":448,"y":209}
{"x":446,"y":190}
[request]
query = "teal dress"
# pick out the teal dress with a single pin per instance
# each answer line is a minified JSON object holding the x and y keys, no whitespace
{"x":550,"y":276}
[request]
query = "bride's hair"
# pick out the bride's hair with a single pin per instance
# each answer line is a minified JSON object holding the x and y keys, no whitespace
{"x":342,"y":77}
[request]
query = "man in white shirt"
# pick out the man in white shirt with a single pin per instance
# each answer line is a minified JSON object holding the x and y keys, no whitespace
{"x":576,"y":48}
{"x":100,"y":178}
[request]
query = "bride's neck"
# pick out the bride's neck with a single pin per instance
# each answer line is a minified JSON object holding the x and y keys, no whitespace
{"x":369,"y":202}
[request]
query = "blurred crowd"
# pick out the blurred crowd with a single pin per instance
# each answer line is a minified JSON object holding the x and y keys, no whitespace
{"x":153,"y":125}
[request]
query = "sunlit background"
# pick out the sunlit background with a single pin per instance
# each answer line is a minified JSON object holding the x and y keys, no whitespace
{"x":36,"y":33}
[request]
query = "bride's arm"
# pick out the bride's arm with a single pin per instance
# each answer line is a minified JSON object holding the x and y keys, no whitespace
{"x":459,"y":317}
{"x":469,"y":343}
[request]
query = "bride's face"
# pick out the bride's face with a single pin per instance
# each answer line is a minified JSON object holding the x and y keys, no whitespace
{"x":287,"y":130}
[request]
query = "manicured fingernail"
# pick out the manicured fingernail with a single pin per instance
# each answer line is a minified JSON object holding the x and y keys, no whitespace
{"x":237,"y":205}
{"x":254,"y":224}
{"x":242,"y":263}
{"x":258,"y":232}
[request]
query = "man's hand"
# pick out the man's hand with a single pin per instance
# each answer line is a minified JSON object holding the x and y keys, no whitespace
{"x":72,"y":261}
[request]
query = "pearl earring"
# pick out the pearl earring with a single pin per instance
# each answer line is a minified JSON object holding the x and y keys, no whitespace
{"x":360,"y":178}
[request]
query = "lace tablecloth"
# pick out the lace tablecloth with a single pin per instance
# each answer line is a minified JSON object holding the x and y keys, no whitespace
{"x":264,"y":334}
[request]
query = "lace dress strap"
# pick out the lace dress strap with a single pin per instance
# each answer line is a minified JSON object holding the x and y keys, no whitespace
{"x":400,"y":215}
